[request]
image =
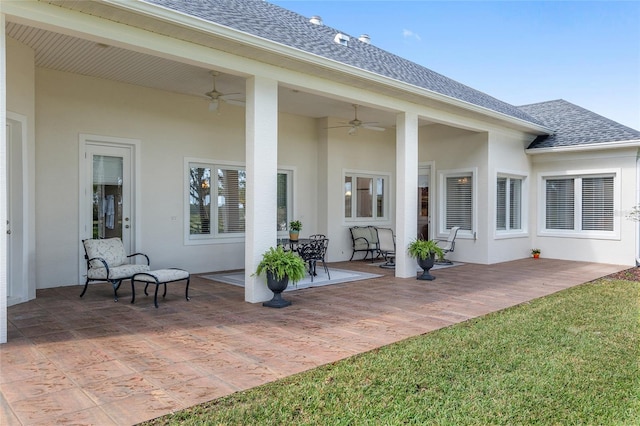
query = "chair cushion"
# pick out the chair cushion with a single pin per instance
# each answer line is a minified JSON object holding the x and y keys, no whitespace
{"x":162,"y":276}
{"x":110,"y":249}
{"x":116,"y":273}
{"x":360,"y":234}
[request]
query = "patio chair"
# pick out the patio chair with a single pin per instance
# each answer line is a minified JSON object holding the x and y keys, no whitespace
{"x":312,"y":253}
{"x":387,"y":247}
{"x":108,"y":261}
{"x":448,"y":245}
{"x":364,"y":238}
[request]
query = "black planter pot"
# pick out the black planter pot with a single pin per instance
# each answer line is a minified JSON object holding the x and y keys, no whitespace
{"x":426,"y":264}
{"x":277,"y":287}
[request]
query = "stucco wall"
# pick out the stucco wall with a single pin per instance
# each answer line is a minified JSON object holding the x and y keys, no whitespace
{"x":454,"y":149}
{"x":370,"y":152}
{"x":170,"y":128}
{"x":507,"y":157}
{"x":620,"y":250}
{"x":21,"y":100}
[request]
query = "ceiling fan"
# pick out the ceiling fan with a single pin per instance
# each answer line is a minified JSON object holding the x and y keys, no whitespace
{"x":356,"y":124}
{"x":216,"y":97}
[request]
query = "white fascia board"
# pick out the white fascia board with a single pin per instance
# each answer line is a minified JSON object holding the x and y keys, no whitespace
{"x":635,"y":143}
{"x":198,"y":24}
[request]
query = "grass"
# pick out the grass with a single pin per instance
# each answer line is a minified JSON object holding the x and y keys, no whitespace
{"x":569,"y":358}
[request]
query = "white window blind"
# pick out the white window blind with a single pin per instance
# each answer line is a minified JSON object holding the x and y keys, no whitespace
{"x":459,"y":202}
{"x":509,"y":203}
{"x":217,"y":200}
{"x":231,"y":200}
{"x":501,"y":204}
{"x":560,"y":208}
{"x":515,"y":203}
{"x":597,"y":203}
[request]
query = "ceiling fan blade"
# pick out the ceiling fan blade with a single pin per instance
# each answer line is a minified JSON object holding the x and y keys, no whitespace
{"x":377,"y":129}
{"x":236,"y":102}
{"x":230,"y":95}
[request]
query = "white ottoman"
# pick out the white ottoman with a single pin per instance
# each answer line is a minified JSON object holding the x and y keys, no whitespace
{"x":161,"y":276}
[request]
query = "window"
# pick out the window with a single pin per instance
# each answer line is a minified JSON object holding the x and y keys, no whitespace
{"x":509,"y":203}
{"x":458,"y":201}
{"x":365,"y":196}
{"x":580,"y":204}
{"x":217,"y":200}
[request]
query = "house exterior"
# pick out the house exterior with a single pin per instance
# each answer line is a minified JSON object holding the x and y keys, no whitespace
{"x":197,"y":130}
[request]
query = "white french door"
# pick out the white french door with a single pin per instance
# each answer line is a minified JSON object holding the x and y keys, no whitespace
{"x":107,"y":191}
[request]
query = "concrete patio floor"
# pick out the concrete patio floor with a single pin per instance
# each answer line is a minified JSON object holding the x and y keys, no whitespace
{"x":92,"y":361}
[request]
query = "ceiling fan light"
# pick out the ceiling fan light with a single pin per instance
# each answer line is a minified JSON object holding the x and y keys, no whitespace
{"x":353,"y":131}
{"x":213,"y":105}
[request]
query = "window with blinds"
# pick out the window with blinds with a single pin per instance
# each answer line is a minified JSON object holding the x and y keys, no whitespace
{"x":459,"y":202}
{"x":580,"y":203}
{"x":222,"y":197}
{"x":560,"y":208}
{"x":509,"y":204}
{"x":597,"y":204}
{"x":232,"y":188}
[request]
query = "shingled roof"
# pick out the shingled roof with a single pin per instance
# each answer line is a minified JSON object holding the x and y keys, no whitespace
{"x":574,"y":125}
{"x":283,"y":26}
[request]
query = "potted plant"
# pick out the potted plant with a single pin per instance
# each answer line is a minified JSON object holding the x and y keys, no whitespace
{"x":535,"y":253}
{"x":294,"y":229}
{"x":280,"y":267}
{"x":425,"y":252}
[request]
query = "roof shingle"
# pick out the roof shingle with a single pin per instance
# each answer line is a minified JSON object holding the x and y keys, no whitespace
{"x":283,"y":26}
{"x":574,"y":125}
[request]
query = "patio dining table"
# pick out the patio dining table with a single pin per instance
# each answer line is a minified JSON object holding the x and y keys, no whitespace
{"x":293,"y":245}
{"x":311,"y":254}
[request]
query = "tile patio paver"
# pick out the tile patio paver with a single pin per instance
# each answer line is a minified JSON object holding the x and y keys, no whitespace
{"x":93,"y":361}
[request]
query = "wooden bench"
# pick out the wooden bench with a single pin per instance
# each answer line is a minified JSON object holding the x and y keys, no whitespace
{"x":161,"y":276}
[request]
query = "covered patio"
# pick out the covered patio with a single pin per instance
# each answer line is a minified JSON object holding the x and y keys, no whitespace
{"x":93,"y":361}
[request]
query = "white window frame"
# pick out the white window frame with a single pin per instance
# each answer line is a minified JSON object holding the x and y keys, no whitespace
{"x":214,"y":237}
{"x":443,"y":175}
{"x":284,"y":233}
{"x":354,"y":174}
{"x":577,"y":176}
{"x":524,"y":206}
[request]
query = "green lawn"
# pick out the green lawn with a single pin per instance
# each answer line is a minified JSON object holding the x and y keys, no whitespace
{"x":566,"y":359}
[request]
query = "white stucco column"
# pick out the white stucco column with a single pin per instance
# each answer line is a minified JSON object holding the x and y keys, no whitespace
{"x":262,"y":175}
{"x":406,"y":191}
{"x":3,"y":181}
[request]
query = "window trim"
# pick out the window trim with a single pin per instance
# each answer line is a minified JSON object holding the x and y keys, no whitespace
{"x":442,"y":203}
{"x":524,"y":206}
{"x":579,"y":174}
{"x":354,"y":174}
{"x":214,"y":237}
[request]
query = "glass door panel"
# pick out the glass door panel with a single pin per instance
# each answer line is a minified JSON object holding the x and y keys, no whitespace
{"x":423,"y":202}
{"x":107,"y":196}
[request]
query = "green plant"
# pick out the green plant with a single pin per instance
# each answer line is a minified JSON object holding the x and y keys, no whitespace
{"x":295,"y":225}
{"x":282,"y":263}
{"x":535,"y":251}
{"x":423,"y":249}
